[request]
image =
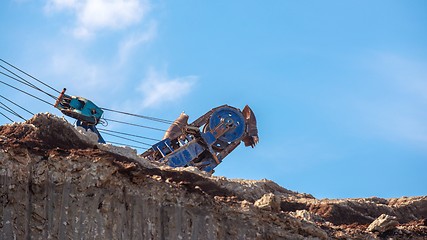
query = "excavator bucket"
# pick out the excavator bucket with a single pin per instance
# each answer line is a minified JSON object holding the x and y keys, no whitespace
{"x":83,"y":110}
{"x":251,"y":136}
{"x":205,"y":142}
{"x":79,"y":108}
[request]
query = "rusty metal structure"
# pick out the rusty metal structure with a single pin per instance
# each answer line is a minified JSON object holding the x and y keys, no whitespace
{"x":205,"y":142}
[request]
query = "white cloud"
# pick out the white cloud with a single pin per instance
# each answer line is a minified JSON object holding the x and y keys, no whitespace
{"x":128,"y":45}
{"x":57,"y":5}
{"x":158,"y":88}
{"x":95,"y":77}
{"x":82,"y":77}
{"x":69,"y":57}
{"x":95,"y":15}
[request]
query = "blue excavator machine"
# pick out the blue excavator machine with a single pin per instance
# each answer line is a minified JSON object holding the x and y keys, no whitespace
{"x":87,"y":114}
{"x":203,"y":143}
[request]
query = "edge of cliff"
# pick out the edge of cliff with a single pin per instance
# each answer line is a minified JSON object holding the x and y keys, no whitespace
{"x":49,"y":168}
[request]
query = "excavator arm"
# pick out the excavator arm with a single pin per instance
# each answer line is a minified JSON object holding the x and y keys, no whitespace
{"x":205,"y":142}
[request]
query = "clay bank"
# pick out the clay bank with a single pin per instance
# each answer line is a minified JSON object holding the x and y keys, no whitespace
{"x":57,"y":183}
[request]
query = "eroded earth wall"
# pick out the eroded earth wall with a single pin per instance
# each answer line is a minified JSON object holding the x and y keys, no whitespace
{"x":90,"y":195}
{"x":56,"y":183}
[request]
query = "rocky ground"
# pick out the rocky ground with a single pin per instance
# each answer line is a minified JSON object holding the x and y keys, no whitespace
{"x":56,"y":183}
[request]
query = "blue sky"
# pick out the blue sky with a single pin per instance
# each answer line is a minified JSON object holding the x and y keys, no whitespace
{"x":339,"y":88}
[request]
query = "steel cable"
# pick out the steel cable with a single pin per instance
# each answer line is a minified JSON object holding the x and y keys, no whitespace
{"x":127,"y":134}
{"x":140,"y":116}
{"x":136,"y":125}
{"x":25,"y":82}
{"x":26,"y":93}
{"x":16,"y":104}
{"x":11,"y":111}
{"x":6,"y":117}
{"x":30,"y":76}
{"x":129,"y":139}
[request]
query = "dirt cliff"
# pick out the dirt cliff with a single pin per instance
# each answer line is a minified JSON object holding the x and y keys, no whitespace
{"x":56,"y":183}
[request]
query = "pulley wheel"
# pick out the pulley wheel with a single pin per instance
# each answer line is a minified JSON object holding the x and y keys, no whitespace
{"x":233,"y":118}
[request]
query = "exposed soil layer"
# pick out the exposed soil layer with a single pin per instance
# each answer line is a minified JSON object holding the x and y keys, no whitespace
{"x":56,"y":183}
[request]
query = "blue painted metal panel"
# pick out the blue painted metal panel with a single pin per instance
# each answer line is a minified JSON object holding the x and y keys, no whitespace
{"x":184,"y":155}
{"x":92,"y":128}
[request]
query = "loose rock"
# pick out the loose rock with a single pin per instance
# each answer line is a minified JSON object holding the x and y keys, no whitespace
{"x":383,"y":223}
{"x":269,"y":202}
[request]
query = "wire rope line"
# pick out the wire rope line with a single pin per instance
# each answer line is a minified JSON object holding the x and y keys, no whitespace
{"x":127,"y":134}
{"x":129,"y":139}
{"x":16,"y":105}
{"x":127,"y":145}
{"x":6,"y":117}
{"x":27,"y":93}
{"x":11,"y":111}
{"x":30,"y":76}
{"x":16,"y":77}
{"x":140,"y":116}
{"x":136,"y":125}
{"x":23,"y":81}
